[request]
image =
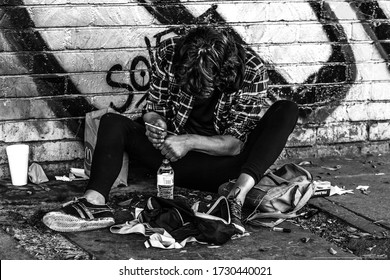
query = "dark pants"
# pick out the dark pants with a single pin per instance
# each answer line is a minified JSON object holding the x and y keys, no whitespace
{"x":118,"y":134}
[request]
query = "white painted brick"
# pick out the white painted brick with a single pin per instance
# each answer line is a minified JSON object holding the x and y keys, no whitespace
{"x":77,"y":16}
{"x":379,"y":131}
{"x":18,"y":86}
{"x":359,"y":92}
{"x":302,"y":136}
{"x":297,"y":73}
{"x":366,"y":52}
{"x":376,"y":148}
{"x":57,"y":151}
{"x":99,"y":1}
{"x":103,"y":61}
{"x":83,"y":2}
{"x":111,"y":37}
{"x":45,"y":2}
{"x":311,"y":32}
{"x":295,"y":53}
{"x":76,"y":62}
{"x":342,"y":10}
{"x":385,"y":6}
{"x":56,"y":39}
{"x":379,"y":111}
{"x":271,"y":33}
{"x":372,"y":72}
{"x":341,"y":133}
{"x":95,"y":83}
{"x":15,"y":109}
{"x":285,"y":11}
{"x":339,"y":150}
{"x":11,"y":64}
{"x":118,"y":100}
{"x":358,"y":33}
{"x":61,"y":16}
{"x":35,"y":131}
{"x":241,"y":12}
{"x":301,"y":153}
{"x":380,"y":91}
{"x":124,"y":15}
{"x":1,"y":132}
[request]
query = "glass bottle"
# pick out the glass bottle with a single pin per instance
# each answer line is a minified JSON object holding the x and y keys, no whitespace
{"x":165,"y":180}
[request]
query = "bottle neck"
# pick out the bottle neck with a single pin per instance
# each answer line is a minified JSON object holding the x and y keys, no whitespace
{"x":166,"y":161}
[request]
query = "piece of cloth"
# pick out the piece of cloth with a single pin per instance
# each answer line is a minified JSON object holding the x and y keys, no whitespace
{"x":236,"y":113}
{"x":170,"y":224}
{"x":118,"y":134}
{"x":36,"y":175}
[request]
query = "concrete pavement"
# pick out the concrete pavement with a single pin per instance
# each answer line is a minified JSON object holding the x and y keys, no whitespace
{"x":369,"y":212}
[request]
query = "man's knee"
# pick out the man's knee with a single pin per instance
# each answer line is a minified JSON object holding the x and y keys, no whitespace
{"x":112,"y":123}
{"x":288,"y":112}
{"x":288,"y":107}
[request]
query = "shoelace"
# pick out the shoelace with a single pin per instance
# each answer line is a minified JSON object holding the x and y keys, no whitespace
{"x":235,"y":208}
{"x":75,"y":199}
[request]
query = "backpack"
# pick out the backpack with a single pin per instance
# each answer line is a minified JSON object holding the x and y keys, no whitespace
{"x":278,"y":195}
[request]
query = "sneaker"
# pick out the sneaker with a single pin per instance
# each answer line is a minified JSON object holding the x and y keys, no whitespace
{"x":235,"y":214}
{"x":79,"y":215}
{"x":225,"y":188}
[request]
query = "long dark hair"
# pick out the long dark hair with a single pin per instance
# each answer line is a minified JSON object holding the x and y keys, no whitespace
{"x":207,"y":59}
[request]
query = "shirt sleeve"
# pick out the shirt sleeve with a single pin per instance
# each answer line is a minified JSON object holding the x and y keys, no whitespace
{"x":246,"y":108}
{"x":158,"y":99}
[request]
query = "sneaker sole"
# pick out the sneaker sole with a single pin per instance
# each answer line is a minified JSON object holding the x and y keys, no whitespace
{"x":66,"y":223}
{"x":239,"y":227}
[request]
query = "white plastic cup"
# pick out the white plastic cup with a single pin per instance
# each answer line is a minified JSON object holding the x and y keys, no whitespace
{"x":18,"y":163}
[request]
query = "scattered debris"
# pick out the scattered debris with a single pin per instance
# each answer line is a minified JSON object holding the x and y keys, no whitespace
{"x":351,"y":229}
{"x":363,"y":189}
{"x":325,"y":188}
{"x":305,"y":163}
{"x":305,"y":239}
{"x":371,"y":248}
{"x":354,"y":236}
{"x":334,"y":168}
{"x":78,"y":172}
{"x":332,"y":251}
{"x":62,"y":178}
{"x":310,"y":213}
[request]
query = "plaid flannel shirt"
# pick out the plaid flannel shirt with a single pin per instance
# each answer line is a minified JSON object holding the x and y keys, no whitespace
{"x":236,"y":114}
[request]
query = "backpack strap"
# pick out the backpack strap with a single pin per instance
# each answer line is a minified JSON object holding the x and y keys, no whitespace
{"x":255,"y":217}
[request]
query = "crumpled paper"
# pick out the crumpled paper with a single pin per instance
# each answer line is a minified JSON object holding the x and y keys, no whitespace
{"x":36,"y":174}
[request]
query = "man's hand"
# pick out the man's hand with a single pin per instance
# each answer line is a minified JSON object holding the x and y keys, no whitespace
{"x":176,"y":147}
{"x":155,"y":136}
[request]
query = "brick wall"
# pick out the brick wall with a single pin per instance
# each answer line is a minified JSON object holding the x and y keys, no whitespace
{"x":61,"y":59}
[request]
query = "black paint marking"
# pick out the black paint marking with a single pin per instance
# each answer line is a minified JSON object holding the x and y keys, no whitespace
{"x":142,"y":73}
{"x":110,"y":82}
{"x":376,"y":25}
{"x":24,"y":38}
{"x":140,"y":87}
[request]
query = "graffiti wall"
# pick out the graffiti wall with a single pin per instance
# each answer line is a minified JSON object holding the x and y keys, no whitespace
{"x":61,"y":59}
